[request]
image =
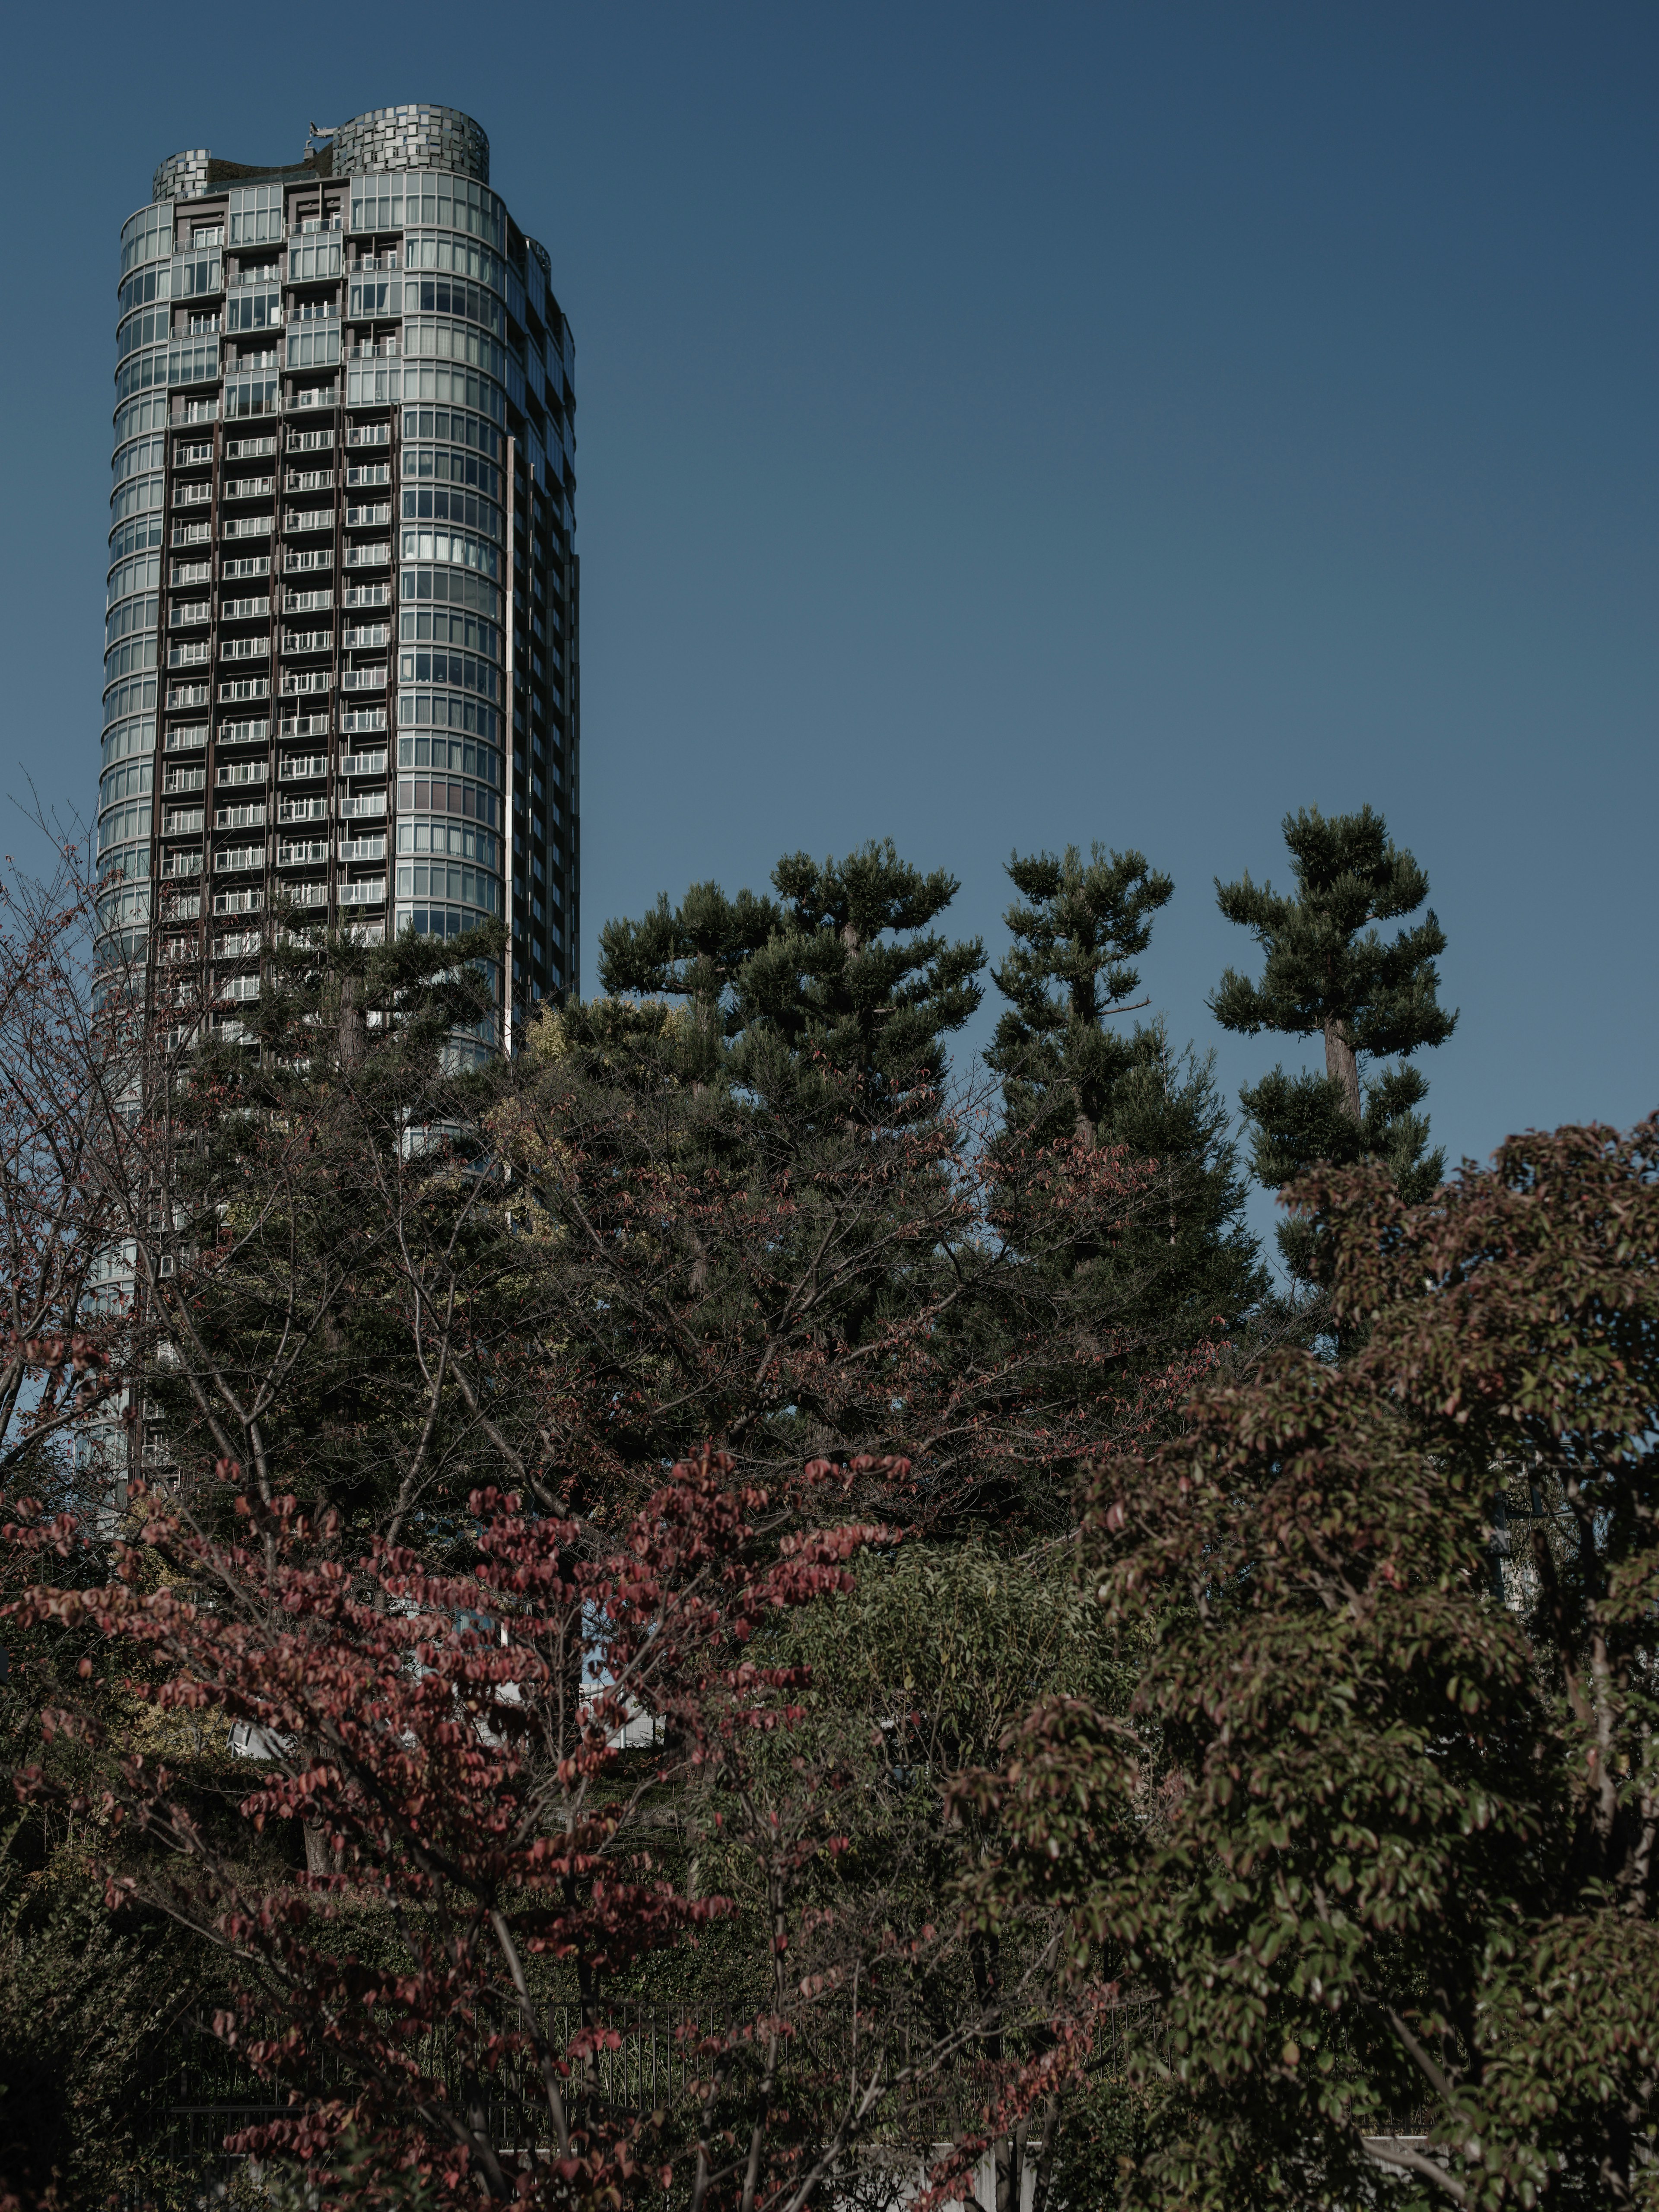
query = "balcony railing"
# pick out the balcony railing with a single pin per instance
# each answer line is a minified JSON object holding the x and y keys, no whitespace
{"x":191,"y":533}
{"x":312,"y":560}
{"x":192,"y":494}
{"x":245,"y":648}
{"x":366,"y":595}
{"x":310,"y":853}
{"x":361,"y":721}
{"x":298,"y":682}
{"x":302,"y":810}
{"x":368,"y":557}
{"x":250,"y":487}
{"x":304,"y":726}
{"x":296,"y":519}
{"x":302,"y":767}
{"x":245,"y":687}
{"x":186,"y":617}
{"x":238,"y":817}
{"x":237,"y":860}
{"x":362,"y":679}
{"x":371,"y":892}
{"x":362,"y":764}
{"x":370,"y":433}
{"x":369,"y":518}
{"x":247,"y":901}
{"x":189,"y":656}
{"x":367,"y":806}
{"x":230,"y":773}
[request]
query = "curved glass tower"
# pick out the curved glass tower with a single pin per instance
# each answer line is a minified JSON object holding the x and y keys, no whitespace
{"x":340,"y":669}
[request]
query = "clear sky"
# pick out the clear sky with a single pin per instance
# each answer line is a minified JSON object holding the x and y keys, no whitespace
{"x":1000,"y":427}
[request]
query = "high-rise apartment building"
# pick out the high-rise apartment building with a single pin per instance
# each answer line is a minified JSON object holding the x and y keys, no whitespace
{"x":341,"y":666}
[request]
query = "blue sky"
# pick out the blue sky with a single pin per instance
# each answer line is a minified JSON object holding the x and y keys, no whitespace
{"x":1004,"y":426}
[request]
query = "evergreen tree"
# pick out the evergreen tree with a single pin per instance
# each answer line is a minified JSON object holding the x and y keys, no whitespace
{"x":694,"y":952}
{"x":1330,"y":973}
{"x":1181,"y":1269}
{"x":855,"y":974}
{"x":1066,"y":973}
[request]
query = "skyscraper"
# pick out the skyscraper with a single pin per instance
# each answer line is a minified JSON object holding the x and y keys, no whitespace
{"x":341,"y":670}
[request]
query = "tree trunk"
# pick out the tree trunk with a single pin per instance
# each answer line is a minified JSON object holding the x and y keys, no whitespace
{"x":1342,"y":1063}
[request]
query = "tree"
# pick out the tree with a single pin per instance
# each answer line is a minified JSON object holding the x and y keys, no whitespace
{"x":857,"y":979}
{"x":1402,"y":1860}
{"x":507,"y":1829}
{"x":1185,"y":1270}
{"x":696,"y":951}
{"x":1329,"y":974}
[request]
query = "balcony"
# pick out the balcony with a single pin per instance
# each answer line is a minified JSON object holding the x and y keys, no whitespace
{"x":198,"y":456}
{"x":315,"y":558}
{"x":363,"y":849}
{"x":296,"y":521}
{"x":183,"y":821}
{"x":369,"y":518}
{"x":303,"y":725}
{"x":181,"y":573}
{"x":362,"y":764}
{"x":187,"y":615}
{"x":370,"y":433}
{"x":245,"y":687}
{"x":308,"y":603}
{"x":177,"y":865}
{"x":190,"y":737}
{"x":302,"y":810}
{"x":241,"y":772}
{"x":190,"y":656}
{"x":189,"y":533}
{"x":373,"y":349}
{"x":362,"y":721}
{"x":196,"y":411}
{"x":243,"y":734}
{"x":307,"y":641}
{"x":297,"y":682}
{"x":237,"y":989}
{"x":309,"y":853}
{"x":244,"y":525}
{"x":305,"y":894}
{"x":368,"y":805}
{"x":244,"y":610}
{"x":245,"y":648}
{"x":368,"y":557}
{"x":192,"y":494}
{"x":240,"y":817}
{"x":237,"y":860}
{"x":250,"y":487}
{"x":366,"y":595}
{"x":302,"y":767}
{"x":309,"y":480}
{"x":371,"y":892}
{"x":367,"y":638}
{"x":247,"y":902}
{"x":185,"y":779}
{"x":367,"y":474}
{"x":362,"y":679}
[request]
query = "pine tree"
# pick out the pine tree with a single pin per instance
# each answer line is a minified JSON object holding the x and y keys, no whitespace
{"x":855,"y":976}
{"x":694,"y":952}
{"x":1330,"y":973}
{"x":1183,"y":1269}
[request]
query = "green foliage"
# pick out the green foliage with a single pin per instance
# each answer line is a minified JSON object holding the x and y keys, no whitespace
{"x":1328,"y":973}
{"x":1180,"y":1270}
{"x":1383,"y":1847}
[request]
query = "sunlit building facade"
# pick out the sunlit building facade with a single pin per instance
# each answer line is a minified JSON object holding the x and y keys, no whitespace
{"x":341,"y":674}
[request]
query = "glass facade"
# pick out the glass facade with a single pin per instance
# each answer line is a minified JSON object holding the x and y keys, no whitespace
{"x":341,"y":670}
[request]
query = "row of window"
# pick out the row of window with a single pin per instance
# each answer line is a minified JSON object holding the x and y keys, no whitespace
{"x":451,"y":465}
{"x":474,"y":802}
{"x":436,"y":626}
